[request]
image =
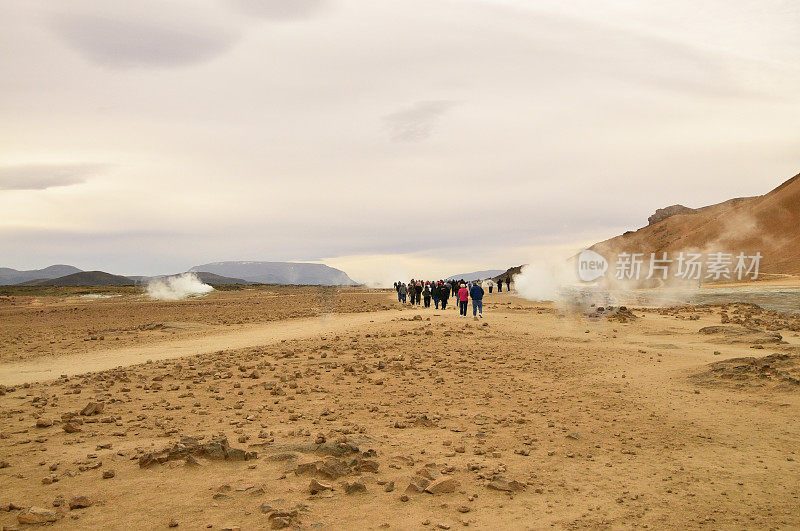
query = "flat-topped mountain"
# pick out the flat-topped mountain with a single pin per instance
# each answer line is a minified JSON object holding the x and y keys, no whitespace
{"x":293,"y":273}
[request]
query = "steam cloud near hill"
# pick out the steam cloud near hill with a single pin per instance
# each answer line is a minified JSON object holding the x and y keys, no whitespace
{"x":177,"y":287}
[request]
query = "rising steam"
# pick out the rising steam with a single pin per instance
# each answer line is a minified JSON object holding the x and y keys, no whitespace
{"x":177,"y":287}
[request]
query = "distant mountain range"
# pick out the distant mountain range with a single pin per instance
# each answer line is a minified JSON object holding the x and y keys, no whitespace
{"x":10,"y":276}
{"x":220,"y":273}
{"x":83,"y":278}
{"x":477,"y":275}
{"x":279,"y":273}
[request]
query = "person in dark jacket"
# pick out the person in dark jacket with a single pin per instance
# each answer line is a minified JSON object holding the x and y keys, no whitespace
{"x":418,"y":293}
{"x":508,"y":284}
{"x":476,"y":294}
{"x":426,"y":295}
{"x":402,"y":291}
{"x":500,"y":285}
{"x":445,"y":287}
{"x":436,"y":293}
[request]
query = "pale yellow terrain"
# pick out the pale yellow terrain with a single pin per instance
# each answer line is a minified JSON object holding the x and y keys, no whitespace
{"x":586,"y":421}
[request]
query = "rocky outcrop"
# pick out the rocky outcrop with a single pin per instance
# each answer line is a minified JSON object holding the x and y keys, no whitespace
{"x":663,"y":213}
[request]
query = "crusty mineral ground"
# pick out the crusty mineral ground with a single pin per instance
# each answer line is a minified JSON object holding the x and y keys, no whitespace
{"x":298,"y":412}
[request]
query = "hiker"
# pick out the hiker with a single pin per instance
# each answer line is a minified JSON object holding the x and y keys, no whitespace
{"x":500,"y":285}
{"x":426,"y":295}
{"x":445,"y":289}
{"x":401,"y":292}
{"x":488,"y":284}
{"x":436,"y":293}
{"x":476,"y":294}
{"x":463,"y":297}
{"x":418,"y":293}
{"x":508,"y":284}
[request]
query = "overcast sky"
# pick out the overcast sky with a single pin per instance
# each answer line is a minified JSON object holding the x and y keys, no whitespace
{"x":390,"y":138}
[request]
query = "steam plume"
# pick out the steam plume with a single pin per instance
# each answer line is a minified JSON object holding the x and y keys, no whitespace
{"x":177,"y":287}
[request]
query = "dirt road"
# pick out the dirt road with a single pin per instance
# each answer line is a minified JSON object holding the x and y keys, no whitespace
{"x":244,"y":336}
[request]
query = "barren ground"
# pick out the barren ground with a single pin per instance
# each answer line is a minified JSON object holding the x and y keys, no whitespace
{"x":528,"y":419}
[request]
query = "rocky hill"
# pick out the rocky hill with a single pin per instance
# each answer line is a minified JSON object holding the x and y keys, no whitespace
{"x":767,"y":224}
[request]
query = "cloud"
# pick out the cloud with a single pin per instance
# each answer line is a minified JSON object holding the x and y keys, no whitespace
{"x":416,"y":123}
{"x":44,"y":176}
{"x":122,"y":43}
{"x":279,"y":9}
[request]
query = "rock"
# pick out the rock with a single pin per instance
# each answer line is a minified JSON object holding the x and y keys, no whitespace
{"x":316,"y":486}
{"x":334,"y":468}
{"x":172,"y":523}
{"x":355,"y":487}
{"x":505,"y":485}
{"x":443,"y":485}
{"x":92,"y":408}
{"x":108,"y":474}
{"x":464,"y":509}
{"x":37,"y":515}
{"x":389,"y":487}
{"x":280,"y":522}
{"x":418,"y":484}
{"x":44,"y":423}
{"x":70,"y":428}
{"x":79,"y":502}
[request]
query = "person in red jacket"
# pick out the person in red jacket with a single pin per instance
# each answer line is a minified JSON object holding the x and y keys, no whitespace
{"x":463,"y":297}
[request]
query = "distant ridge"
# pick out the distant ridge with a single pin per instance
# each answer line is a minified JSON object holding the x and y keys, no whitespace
{"x":476,"y":275}
{"x":286,"y":273}
{"x":10,"y":276}
{"x":84,"y":278}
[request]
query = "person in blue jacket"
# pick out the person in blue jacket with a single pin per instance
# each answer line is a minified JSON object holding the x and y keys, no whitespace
{"x":476,"y":294}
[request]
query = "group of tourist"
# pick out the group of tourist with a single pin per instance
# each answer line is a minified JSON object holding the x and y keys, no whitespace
{"x":423,"y":291}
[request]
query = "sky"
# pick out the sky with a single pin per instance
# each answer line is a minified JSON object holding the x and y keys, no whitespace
{"x":388,"y":138}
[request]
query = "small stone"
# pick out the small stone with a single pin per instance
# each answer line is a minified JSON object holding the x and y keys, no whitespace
{"x":172,"y":523}
{"x":44,"y":423}
{"x":389,"y":487}
{"x":37,"y":515}
{"x":505,"y":485}
{"x":443,"y":485}
{"x":70,"y":428}
{"x":355,"y":487}
{"x":316,"y":486}
{"x":92,"y":408}
{"x":108,"y":474}
{"x":463,"y":509}
{"x":79,"y":502}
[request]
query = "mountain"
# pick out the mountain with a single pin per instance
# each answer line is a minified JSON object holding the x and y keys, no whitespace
{"x":279,"y":273}
{"x":477,"y":275}
{"x":10,"y":276}
{"x":84,"y":278}
{"x":510,"y":272}
{"x":767,"y":224}
{"x":202,"y":276}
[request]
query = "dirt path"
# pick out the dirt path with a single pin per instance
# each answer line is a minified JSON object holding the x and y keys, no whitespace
{"x":44,"y":369}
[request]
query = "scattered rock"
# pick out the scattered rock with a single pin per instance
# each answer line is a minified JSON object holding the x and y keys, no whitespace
{"x":443,"y":485}
{"x":37,"y":515}
{"x":79,"y":502}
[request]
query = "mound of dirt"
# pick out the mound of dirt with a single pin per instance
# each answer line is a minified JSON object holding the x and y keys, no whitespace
{"x":781,"y":370}
{"x":741,"y":334}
